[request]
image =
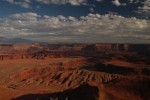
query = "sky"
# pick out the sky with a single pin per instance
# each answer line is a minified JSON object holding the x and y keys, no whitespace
{"x":76,"y":21}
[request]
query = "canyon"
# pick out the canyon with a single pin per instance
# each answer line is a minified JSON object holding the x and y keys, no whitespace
{"x":41,"y":71}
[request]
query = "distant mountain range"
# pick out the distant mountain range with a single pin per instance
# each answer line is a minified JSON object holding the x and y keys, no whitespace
{"x":4,"y":40}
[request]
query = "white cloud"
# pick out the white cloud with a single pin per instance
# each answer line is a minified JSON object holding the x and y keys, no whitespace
{"x":27,"y":3}
{"x":116,"y":2}
{"x":22,"y":3}
{"x":58,"y":2}
{"x":24,"y":16}
{"x":91,"y":10}
{"x":146,"y":7}
{"x":90,"y":28}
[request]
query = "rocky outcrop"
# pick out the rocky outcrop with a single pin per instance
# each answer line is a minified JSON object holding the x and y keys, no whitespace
{"x":41,"y":51}
{"x":59,"y":77}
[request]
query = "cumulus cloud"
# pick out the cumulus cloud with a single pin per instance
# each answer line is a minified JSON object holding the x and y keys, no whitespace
{"x":22,"y":3}
{"x":146,"y":7}
{"x":145,"y":4}
{"x":27,"y":3}
{"x":58,"y":2}
{"x":91,"y":10}
{"x":116,"y":2}
{"x":126,"y":2}
{"x":90,"y":28}
{"x":24,"y":16}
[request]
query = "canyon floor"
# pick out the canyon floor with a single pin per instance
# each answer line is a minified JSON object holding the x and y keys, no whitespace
{"x":39,"y":77}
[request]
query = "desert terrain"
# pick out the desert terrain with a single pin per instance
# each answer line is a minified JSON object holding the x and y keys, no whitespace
{"x":74,"y":71}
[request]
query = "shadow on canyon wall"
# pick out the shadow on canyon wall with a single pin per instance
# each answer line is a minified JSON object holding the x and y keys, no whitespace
{"x":83,"y":92}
